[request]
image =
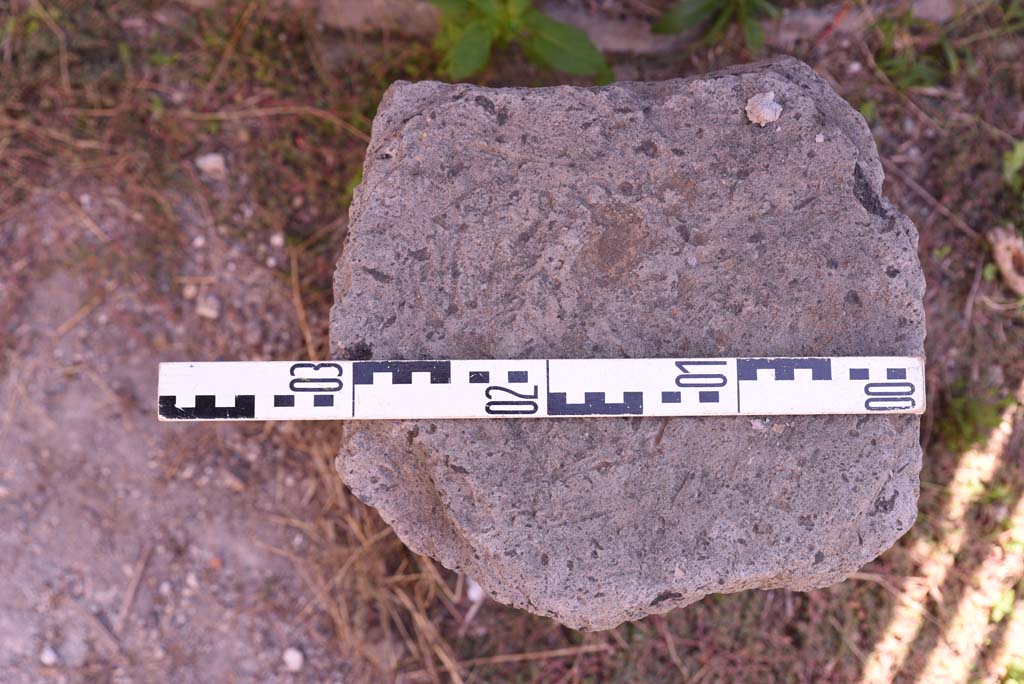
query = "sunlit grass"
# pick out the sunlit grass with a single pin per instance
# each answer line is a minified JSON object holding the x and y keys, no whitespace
{"x":963,"y":632}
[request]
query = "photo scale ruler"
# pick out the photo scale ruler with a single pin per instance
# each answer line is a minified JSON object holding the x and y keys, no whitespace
{"x":540,"y":388}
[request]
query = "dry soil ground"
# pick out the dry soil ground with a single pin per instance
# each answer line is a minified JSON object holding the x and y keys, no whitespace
{"x":138,"y":552}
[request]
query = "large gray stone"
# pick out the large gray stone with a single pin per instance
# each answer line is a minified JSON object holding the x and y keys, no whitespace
{"x":635,"y":220}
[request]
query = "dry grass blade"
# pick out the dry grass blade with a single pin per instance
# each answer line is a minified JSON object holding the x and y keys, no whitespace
{"x":300,"y":308}
{"x":62,"y":45}
{"x":76,"y":318}
{"x":229,"y":50}
{"x":427,"y":631}
{"x":28,"y":128}
{"x":263,"y":112}
{"x":133,"y":590}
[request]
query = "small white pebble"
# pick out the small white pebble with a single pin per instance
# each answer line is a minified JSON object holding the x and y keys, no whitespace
{"x":293,"y":659}
{"x":190,"y":291}
{"x":474,"y":592}
{"x":198,"y":241}
{"x":212,"y":165}
{"x":208,"y":307}
{"x":820,"y":138}
{"x":85,"y":199}
{"x":691,"y":261}
{"x":271,"y":262}
{"x":854,"y":67}
{"x":762,"y":109}
{"x":192,"y":581}
{"x":277,"y":240}
{"x":164,"y":589}
{"x":48,"y":657}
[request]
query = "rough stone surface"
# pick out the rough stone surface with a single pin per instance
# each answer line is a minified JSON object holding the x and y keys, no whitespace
{"x":637,"y":220}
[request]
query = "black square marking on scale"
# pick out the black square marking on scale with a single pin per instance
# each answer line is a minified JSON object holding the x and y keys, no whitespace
{"x":323,"y":400}
{"x":671,"y":397}
{"x":895,"y":373}
{"x":479,"y":376}
{"x":518,"y":376}
{"x":858,"y":373}
{"x":284,"y":400}
{"x":708,"y":397}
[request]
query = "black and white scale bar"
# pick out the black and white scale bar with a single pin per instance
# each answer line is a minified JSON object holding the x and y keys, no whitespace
{"x":540,"y":388}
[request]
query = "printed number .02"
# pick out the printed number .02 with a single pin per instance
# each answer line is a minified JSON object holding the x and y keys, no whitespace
{"x":506,"y":407}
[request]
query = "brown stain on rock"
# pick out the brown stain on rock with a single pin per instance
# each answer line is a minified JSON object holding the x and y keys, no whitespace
{"x":614,"y":249}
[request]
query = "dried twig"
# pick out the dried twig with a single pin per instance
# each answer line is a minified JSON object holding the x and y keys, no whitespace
{"x":133,"y":590}
{"x":101,"y":627}
{"x":505,"y":658}
{"x":975,"y":283}
{"x":300,"y":308}
{"x":670,"y":646}
{"x":264,"y":112}
{"x":76,"y":318}
{"x":84,"y":217}
{"x":854,"y":649}
{"x":229,"y":50}
{"x":62,"y":45}
{"x":914,"y":187}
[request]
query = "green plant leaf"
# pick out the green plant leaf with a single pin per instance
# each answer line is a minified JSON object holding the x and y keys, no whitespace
{"x":560,"y":46}
{"x":717,"y":30}
{"x":752,"y":34}
{"x":451,"y":6}
{"x":489,"y":8}
{"x":766,"y":8}
{"x":470,"y":51}
{"x":1003,"y":606}
{"x":1013,"y":164}
{"x":517,"y":8}
{"x":685,"y":14}
{"x":949,"y":52}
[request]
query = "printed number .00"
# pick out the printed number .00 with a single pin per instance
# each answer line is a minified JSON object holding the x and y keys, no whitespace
{"x":889,"y":396}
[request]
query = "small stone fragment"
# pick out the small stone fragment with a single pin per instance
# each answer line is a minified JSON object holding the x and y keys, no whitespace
{"x":820,"y":138}
{"x":208,"y":306}
{"x":1008,"y":253}
{"x":474,"y":592}
{"x":48,"y":656}
{"x":762,"y":109}
{"x":212,"y":165}
{"x":293,"y":659}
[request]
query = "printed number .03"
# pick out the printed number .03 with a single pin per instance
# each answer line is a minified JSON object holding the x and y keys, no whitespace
{"x":329,"y":379}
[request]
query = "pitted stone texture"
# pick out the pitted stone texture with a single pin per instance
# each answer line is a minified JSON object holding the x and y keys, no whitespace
{"x":635,"y":220}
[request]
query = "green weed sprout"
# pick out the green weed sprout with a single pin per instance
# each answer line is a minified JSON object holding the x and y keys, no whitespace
{"x":470,"y":29}
{"x":720,"y":13}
